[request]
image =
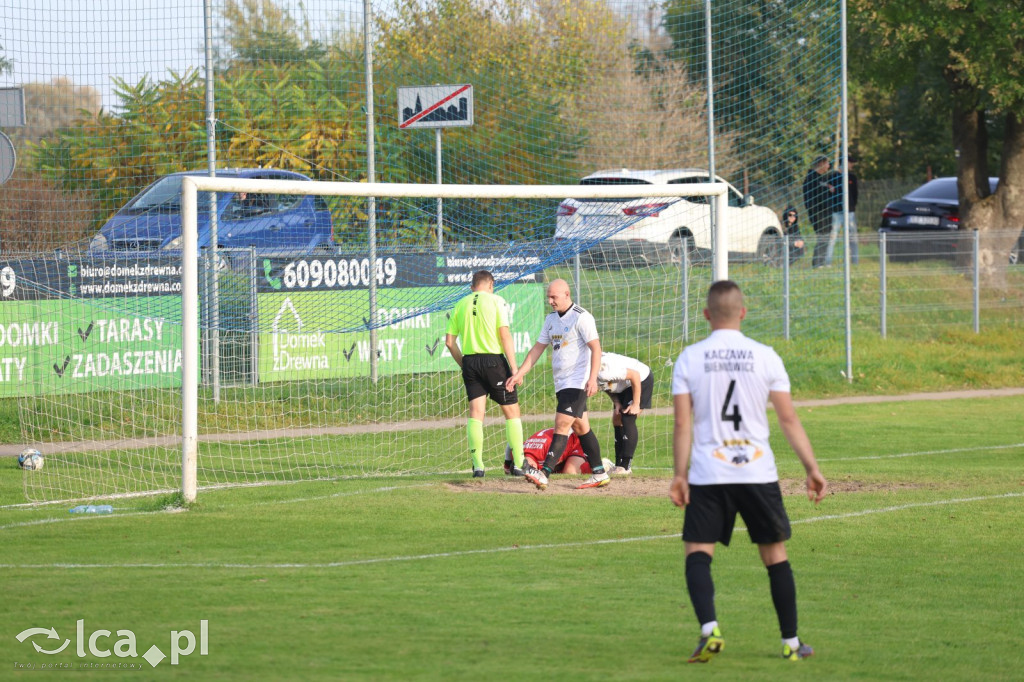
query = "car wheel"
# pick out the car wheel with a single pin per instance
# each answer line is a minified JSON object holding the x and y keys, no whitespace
{"x":769,"y":249}
{"x":679,"y":241}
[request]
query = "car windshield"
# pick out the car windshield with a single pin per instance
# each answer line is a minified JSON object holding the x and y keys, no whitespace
{"x":165,"y":196}
{"x":612,"y":181}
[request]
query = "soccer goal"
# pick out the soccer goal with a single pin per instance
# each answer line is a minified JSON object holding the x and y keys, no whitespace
{"x":197,"y":369}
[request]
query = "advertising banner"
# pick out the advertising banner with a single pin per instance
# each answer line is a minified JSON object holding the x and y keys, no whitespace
{"x":70,"y":326}
{"x":292,"y":348}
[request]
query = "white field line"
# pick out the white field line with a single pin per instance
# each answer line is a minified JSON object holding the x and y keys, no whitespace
{"x":898,"y":455}
{"x":85,"y":517}
{"x":493,"y":550}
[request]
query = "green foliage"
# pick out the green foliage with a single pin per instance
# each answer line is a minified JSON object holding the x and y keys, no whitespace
{"x":975,"y":45}
{"x":776,"y":70}
{"x":521,"y":91}
{"x":285,"y":100}
{"x":919,"y":60}
{"x":159,"y":130}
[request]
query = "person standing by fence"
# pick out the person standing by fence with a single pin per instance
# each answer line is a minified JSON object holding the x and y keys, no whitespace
{"x":818,"y":200}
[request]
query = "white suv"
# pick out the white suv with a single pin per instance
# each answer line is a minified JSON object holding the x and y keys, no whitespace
{"x":652,"y":230}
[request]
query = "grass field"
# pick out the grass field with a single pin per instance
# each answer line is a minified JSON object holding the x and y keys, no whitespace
{"x":910,"y":570}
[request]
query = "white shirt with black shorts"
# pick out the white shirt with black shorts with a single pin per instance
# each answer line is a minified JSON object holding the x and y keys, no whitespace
{"x":568,"y":334}
{"x":732,"y":467}
{"x":612,"y":378}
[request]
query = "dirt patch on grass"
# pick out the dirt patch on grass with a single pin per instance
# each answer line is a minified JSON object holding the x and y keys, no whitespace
{"x":637,"y":486}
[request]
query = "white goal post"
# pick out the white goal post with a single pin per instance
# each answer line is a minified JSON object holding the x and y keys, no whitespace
{"x":192,"y":185}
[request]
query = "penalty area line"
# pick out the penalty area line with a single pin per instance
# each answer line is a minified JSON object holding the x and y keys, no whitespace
{"x":492,"y":550}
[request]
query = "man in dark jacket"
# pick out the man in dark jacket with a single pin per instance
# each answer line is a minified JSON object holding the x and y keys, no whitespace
{"x":818,"y":200}
{"x":835,"y":179}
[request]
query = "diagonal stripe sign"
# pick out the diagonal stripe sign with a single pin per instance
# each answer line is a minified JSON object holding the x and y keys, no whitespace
{"x":423,"y":107}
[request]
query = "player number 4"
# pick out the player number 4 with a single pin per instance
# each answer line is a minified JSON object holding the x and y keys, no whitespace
{"x":734,"y":416}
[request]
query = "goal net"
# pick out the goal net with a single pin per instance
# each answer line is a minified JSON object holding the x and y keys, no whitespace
{"x":184,"y":370}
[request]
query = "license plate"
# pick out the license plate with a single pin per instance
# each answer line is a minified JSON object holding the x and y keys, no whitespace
{"x":602,"y":220}
{"x":923,"y":220}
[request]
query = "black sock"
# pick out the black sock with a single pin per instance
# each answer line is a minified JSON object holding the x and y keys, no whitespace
{"x":783,"y":587}
{"x":629,"y":438}
{"x":558,"y":443}
{"x":592,"y":449}
{"x":701,"y":586}
{"x":618,"y":446}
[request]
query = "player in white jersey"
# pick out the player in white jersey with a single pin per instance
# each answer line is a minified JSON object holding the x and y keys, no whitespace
{"x":724,"y":465}
{"x":571,"y":332}
{"x":630,"y":384}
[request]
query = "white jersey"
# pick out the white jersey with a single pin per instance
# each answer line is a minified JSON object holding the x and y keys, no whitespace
{"x":728,"y":377}
{"x":612,"y":375}
{"x":569,"y":333}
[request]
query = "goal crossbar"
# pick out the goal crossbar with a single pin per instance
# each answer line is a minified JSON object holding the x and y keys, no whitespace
{"x":192,"y":185}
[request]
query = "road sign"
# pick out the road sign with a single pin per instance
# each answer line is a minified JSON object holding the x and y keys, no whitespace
{"x":8,"y":159}
{"x":12,"y":108}
{"x":435,"y":106}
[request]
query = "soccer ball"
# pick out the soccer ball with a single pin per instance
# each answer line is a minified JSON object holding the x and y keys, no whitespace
{"x":608,"y":465}
{"x":30,"y":459}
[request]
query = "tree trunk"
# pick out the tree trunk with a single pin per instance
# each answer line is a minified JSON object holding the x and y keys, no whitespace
{"x":999,"y":217}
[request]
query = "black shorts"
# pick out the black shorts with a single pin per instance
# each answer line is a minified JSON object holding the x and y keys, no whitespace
{"x":646,"y":389}
{"x":572,"y":401}
{"x":711,"y":514}
{"x":486,"y":374}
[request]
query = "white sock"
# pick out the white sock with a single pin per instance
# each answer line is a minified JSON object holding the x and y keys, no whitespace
{"x":793,"y":642}
{"x":706,"y":628}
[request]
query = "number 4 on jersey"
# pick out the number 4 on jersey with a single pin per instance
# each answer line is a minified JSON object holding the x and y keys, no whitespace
{"x":733,"y":417}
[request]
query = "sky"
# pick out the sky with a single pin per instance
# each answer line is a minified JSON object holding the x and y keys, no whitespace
{"x":91,"y":41}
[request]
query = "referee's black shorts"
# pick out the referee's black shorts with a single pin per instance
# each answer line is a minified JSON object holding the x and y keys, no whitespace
{"x":486,"y":374}
{"x":625,"y":398}
{"x":711,"y":514}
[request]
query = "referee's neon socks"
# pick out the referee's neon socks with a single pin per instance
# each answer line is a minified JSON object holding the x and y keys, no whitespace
{"x":475,"y":434}
{"x":514,"y":437}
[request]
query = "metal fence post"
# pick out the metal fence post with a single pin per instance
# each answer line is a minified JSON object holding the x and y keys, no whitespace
{"x":684,"y":268}
{"x":882,"y":258}
{"x":977,"y":280}
{"x":578,"y":295}
{"x":254,"y":321}
{"x":785,"y":287}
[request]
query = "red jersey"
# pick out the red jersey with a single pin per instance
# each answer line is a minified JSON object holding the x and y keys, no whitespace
{"x":536,"y":448}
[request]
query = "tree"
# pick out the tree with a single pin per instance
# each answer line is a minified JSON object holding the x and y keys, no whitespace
{"x":649,"y":101}
{"x":261,"y":30}
{"x":159,"y":129}
{"x":532,"y":64}
{"x":55,"y":105}
{"x":37,"y":215}
{"x":776,"y":80}
{"x":977,"y":48}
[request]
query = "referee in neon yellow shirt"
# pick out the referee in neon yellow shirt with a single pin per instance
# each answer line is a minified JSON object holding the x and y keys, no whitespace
{"x":488,"y":358}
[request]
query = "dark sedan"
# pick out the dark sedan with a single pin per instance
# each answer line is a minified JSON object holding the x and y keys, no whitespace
{"x":925,"y":223}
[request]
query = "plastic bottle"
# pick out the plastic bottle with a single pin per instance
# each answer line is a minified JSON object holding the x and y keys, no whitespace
{"x":92,"y":509}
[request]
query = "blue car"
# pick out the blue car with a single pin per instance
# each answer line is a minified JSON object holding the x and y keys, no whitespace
{"x":281,"y":223}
